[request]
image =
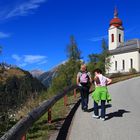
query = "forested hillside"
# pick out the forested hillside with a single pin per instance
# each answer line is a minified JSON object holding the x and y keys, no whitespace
{"x":16,"y":86}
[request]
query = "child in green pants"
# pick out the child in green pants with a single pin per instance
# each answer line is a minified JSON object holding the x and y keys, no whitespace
{"x":100,"y":94}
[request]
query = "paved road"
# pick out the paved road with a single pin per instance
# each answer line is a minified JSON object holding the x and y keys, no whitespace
{"x":123,"y":121}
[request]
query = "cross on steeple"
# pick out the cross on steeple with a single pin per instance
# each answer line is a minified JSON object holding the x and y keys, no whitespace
{"x":115,"y":12}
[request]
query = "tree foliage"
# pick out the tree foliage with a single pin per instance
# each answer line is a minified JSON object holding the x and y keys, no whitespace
{"x":100,"y":60}
{"x":72,"y":50}
{"x":66,"y":73}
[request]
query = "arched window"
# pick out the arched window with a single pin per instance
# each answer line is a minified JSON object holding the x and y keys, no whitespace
{"x":112,"y":37}
{"x":115,"y":65}
{"x":123,"y":64}
{"x":120,"y":38}
{"x":131,"y":63}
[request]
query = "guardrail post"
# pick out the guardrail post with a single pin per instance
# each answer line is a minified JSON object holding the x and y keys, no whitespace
{"x":74,"y":93}
{"x":65,"y":100}
{"x":49,"y":116}
{"x":23,"y":137}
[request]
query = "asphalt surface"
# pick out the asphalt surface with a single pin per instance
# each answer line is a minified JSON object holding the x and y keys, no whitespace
{"x":122,"y":119}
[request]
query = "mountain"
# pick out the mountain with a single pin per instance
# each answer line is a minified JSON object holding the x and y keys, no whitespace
{"x":16,"y":86}
{"x":46,"y":77}
{"x":36,"y":73}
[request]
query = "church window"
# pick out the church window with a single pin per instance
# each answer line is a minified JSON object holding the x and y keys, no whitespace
{"x":123,"y":64}
{"x":131,"y":63}
{"x":120,"y":38}
{"x":112,"y":37}
{"x":115,"y":65}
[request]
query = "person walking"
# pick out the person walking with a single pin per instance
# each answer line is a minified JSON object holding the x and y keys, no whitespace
{"x":100,"y":94}
{"x":84,"y":82}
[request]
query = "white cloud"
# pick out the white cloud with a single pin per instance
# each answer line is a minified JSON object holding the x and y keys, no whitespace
{"x":34,"y":58}
{"x":16,"y":57}
{"x":4,"y":35}
{"x":43,"y":62}
{"x":25,"y":60}
{"x":99,"y":38}
{"x":22,"y":64}
{"x":22,"y":9}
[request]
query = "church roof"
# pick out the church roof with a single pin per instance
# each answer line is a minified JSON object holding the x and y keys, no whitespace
{"x":117,"y":22}
{"x":129,"y":46}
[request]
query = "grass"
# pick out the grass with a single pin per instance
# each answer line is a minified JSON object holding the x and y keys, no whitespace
{"x":124,"y":77}
{"x":5,"y":74}
{"x":42,"y":129}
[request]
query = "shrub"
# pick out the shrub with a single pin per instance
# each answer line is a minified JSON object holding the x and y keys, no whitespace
{"x":118,"y":74}
{"x":132,"y":70}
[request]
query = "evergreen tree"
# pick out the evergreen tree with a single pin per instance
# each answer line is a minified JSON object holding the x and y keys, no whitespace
{"x":100,"y":60}
{"x":72,"y":50}
{"x":103,"y":56}
{"x":94,"y":58}
{"x":66,"y":73}
{"x":66,"y":76}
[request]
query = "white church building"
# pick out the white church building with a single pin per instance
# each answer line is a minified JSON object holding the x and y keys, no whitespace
{"x":124,"y":56}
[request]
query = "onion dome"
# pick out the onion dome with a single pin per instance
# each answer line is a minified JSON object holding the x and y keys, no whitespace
{"x":116,"y":21}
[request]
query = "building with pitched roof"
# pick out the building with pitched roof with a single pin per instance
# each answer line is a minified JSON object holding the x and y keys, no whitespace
{"x":124,"y":56}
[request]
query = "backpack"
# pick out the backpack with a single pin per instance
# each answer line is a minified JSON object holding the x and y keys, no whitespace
{"x":84,"y":77}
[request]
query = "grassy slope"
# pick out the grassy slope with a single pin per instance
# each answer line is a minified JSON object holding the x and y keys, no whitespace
{"x":124,"y":77}
{"x":4,"y":75}
{"x":41,"y":129}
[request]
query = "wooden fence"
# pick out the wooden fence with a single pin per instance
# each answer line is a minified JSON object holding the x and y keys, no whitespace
{"x":19,"y":130}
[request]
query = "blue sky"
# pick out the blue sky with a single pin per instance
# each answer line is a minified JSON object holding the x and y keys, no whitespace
{"x":34,"y":33}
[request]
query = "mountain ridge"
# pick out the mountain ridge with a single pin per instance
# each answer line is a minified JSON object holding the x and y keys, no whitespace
{"x":36,"y":73}
{"x":17,"y":85}
{"x":46,"y":77}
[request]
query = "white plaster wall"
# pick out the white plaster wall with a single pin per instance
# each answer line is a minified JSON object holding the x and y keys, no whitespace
{"x":126,"y":57}
{"x":116,"y":32}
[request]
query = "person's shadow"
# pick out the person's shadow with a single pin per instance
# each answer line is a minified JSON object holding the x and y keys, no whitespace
{"x":118,"y":113}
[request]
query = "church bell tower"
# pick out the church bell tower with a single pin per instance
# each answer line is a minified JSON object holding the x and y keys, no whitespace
{"x":115,"y":32}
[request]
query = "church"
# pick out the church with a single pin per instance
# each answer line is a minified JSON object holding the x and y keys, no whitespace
{"x":124,"y":56}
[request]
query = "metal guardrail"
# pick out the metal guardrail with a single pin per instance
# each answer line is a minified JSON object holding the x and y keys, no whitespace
{"x":18,"y":131}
